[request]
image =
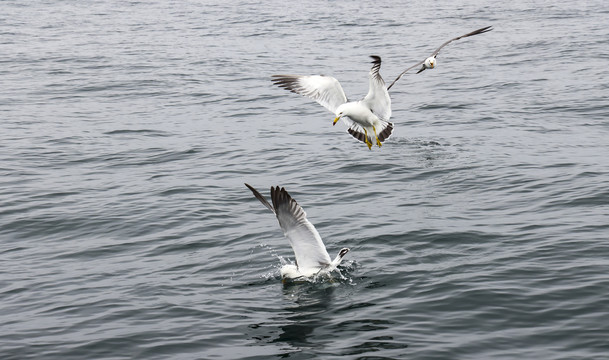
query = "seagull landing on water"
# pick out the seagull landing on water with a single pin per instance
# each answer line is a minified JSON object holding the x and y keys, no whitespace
{"x":430,"y":62}
{"x":312,"y":259}
{"x":365,"y":117}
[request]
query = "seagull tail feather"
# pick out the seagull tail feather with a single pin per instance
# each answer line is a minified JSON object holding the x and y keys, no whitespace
{"x":357,"y":132}
{"x":386,"y":130}
{"x":383,"y":133}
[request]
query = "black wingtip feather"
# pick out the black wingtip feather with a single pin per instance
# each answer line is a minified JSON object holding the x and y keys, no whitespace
{"x":287,"y":82}
{"x":485,"y":29}
{"x":479,"y":31}
{"x":260,"y":197}
{"x":376,"y":67}
{"x":281,"y":198}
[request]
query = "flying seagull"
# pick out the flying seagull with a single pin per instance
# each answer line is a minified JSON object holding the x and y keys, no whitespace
{"x":364,"y":117}
{"x":430,"y":62}
{"x":312,"y":259}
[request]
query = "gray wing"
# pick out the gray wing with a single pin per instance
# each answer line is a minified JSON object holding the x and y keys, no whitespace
{"x":378,"y":99}
{"x":326,"y":90}
{"x":475,"y":32}
{"x":404,"y":72}
{"x":308,"y":247}
{"x":437,"y":51}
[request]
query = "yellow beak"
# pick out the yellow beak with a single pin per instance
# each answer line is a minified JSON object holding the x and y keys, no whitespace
{"x":335,"y":120}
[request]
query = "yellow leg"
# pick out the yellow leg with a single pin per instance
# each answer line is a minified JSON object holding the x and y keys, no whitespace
{"x":378,"y":142}
{"x":367,"y":141}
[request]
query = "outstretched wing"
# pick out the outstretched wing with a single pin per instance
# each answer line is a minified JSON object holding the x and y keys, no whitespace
{"x":326,"y":90}
{"x":475,"y":32}
{"x":404,"y":72}
{"x":437,"y":51}
{"x":378,"y":99}
{"x":308,"y":247}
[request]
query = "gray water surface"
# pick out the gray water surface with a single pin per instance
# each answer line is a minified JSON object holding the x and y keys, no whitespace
{"x":478,"y":231}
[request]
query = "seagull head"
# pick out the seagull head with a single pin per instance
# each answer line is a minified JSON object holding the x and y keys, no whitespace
{"x":341,"y":111}
{"x":430,"y":62}
{"x":339,"y":257}
{"x":343,"y":252}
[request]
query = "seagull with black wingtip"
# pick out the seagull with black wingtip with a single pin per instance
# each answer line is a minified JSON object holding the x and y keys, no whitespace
{"x":364,"y":117}
{"x":430,"y":62}
{"x":312,"y":258}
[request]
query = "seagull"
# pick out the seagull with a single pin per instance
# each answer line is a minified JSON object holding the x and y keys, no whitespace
{"x":430,"y":62}
{"x":312,"y":259}
{"x":364,"y":117}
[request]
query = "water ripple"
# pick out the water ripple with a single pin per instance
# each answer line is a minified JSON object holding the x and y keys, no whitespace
{"x":478,"y":229}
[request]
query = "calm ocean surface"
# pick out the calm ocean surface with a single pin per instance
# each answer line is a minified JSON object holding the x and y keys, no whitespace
{"x":480,"y":230}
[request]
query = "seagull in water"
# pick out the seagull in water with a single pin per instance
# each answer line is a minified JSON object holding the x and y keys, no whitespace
{"x":430,"y":62}
{"x":364,"y":117}
{"x":312,"y":259}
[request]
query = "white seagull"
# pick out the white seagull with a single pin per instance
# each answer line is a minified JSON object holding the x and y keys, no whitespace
{"x":364,"y":117}
{"x":430,"y":62}
{"x":312,"y":259}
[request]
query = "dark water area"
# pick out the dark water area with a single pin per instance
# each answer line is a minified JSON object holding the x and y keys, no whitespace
{"x":478,"y":231}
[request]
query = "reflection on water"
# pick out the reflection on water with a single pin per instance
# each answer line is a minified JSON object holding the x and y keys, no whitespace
{"x":306,"y":310}
{"x":129,"y":128}
{"x":316,"y":314}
